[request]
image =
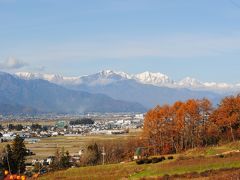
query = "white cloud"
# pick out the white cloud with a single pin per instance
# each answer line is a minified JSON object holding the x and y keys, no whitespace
{"x":12,"y":63}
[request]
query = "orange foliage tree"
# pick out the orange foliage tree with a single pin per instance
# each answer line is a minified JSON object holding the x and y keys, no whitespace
{"x":190,"y":124}
{"x":227,"y":118}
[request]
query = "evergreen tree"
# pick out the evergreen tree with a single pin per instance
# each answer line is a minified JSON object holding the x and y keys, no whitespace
{"x":14,"y":158}
{"x":19,"y":153}
{"x":65,"y":160}
{"x":8,"y":162}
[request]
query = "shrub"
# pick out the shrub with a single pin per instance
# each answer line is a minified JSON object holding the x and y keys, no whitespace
{"x":160,"y":159}
{"x":155,"y":160}
{"x":163,"y":158}
{"x":140,"y":161}
{"x":221,"y":156}
{"x":147,"y":161}
{"x":170,"y":157}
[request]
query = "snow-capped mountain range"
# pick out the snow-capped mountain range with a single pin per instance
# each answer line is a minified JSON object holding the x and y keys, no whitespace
{"x":108,"y":76}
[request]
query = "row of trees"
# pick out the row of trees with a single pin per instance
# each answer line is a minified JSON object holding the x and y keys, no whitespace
{"x":114,"y":151}
{"x":190,"y":124}
{"x":83,"y":121}
{"x":19,"y":127}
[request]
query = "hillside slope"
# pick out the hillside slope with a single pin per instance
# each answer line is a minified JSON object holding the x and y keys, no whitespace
{"x":193,"y":163}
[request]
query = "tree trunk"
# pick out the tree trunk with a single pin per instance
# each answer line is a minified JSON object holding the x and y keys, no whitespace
{"x":231,"y":129}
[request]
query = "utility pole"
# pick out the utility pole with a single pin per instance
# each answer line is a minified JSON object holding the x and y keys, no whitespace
{"x":103,"y":154}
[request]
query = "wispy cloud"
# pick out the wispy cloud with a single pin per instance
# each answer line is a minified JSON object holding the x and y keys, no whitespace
{"x":180,"y":46}
{"x":12,"y":63}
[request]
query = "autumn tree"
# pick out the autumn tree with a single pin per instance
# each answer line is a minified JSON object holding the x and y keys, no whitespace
{"x":61,"y":160}
{"x":91,"y":155}
{"x":156,"y":127}
{"x":227,"y":117}
{"x":179,"y":134}
{"x":178,"y":127}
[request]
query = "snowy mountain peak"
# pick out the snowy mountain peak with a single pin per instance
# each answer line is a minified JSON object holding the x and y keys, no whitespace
{"x":26,"y":75}
{"x":109,"y":76}
{"x":151,"y":74}
{"x":29,"y":75}
{"x":106,"y":72}
{"x":190,"y":82}
{"x":111,"y":73}
{"x":55,"y":78}
{"x":153,"y":78}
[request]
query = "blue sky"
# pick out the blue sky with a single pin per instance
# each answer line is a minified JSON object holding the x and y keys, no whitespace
{"x":197,"y":38}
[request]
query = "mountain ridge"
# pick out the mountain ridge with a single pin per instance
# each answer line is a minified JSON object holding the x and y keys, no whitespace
{"x":147,"y":94}
{"x":109,"y":76}
{"x":148,"y":89}
{"x":45,"y":96}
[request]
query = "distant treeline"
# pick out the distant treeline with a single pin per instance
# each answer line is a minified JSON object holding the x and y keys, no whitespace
{"x":83,"y":121}
{"x":19,"y":127}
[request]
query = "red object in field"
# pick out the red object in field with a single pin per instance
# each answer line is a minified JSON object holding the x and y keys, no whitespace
{"x":6,"y":172}
{"x":23,"y":178}
{"x":14,"y":177}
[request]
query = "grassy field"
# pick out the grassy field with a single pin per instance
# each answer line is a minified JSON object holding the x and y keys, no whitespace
{"x":194,"y":161}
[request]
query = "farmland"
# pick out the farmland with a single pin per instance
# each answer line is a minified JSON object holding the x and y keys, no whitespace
{"x":47,"y":146}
